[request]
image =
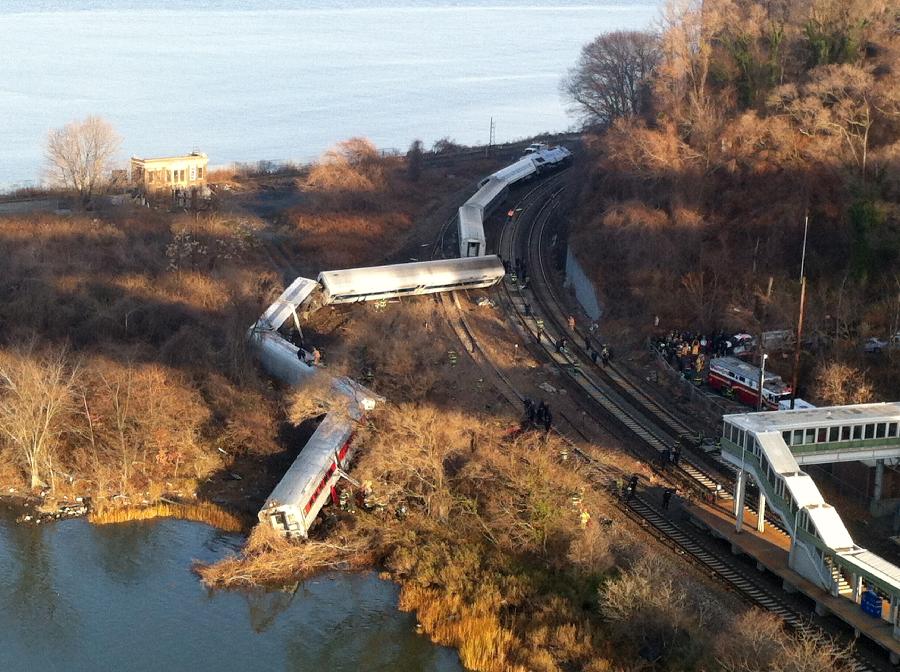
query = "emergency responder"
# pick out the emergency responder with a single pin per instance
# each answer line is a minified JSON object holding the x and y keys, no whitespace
{"x":632,"y":487}
{"x":667,"y":497}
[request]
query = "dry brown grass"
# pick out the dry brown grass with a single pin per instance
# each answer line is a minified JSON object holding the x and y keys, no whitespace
{"x":203,"y":512}
{"x":270,"y":559}
{"x":167,"y":392}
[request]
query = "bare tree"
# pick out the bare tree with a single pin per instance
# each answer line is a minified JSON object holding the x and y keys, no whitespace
{"x":36,"y":396}
{"x":608,"y":79}
{"x":838,"y":384}
{"x":80,"y":154}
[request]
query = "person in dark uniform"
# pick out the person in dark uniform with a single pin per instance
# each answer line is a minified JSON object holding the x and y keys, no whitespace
{"x":548,"y":420}
{"x":632,"y":487}
{"x":667,"y":497}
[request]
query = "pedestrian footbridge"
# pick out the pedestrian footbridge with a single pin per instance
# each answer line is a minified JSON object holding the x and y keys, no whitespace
{"x":770,"y":449}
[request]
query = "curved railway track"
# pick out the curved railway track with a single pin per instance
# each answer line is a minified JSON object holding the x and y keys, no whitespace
{"x":617,"y":405}
{"x":654,"y":427}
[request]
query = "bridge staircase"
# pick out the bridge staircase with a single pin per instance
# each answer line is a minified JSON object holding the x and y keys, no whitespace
{"x":821,"y":548}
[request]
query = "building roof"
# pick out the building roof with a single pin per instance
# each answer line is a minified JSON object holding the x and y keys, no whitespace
{"x":829,"y":416}
{"x":169,"y":159}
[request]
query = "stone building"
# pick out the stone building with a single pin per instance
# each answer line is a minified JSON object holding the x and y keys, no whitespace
{"x":184,"y":174}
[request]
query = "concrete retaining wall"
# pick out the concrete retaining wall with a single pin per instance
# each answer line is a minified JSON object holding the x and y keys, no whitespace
{"x":578,"y":280}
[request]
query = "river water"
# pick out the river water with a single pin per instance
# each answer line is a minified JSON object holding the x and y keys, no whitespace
{"x":245,"y":80}
{"x":76,"y":597}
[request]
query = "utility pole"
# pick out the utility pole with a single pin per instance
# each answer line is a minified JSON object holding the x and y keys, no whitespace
{"x":762,"y":378}
{"x":799,"y":339}
{"x":491,"y":136}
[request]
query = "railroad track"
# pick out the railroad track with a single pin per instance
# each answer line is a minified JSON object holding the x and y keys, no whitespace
{"x":625,"y":403}
{"x":618,"y":406}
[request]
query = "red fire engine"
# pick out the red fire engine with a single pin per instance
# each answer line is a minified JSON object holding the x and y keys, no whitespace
{"x":739,"y":379}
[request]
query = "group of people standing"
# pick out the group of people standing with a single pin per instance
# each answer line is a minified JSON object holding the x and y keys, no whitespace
{"x":629,"y":490}
{"x":670,"y":455}
{"x":519,"y":269}
{"x":537,"y":415}
{"x":688,"y":351}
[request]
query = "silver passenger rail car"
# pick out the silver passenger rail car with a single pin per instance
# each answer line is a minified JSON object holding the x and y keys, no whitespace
{"x":472,"y":242}
{"x":412,"y":279}
{"x":287,"y":304}
{"x":473,"y":213}
{"x":295,"y":502}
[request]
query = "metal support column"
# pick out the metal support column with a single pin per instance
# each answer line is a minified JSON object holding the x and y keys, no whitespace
{"x":857,"y":588}
{"x":761,"y":520}
{"x":879,"y":481}
{"x":740,"y":488}
{"x":894,"y":626}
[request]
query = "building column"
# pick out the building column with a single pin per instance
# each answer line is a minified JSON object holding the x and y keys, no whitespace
{"x":857,"y":588}
{"x":740,"y":488}
{"x":761,"y":520}
{"x":895,"y":629}
{"x":879,"y":481}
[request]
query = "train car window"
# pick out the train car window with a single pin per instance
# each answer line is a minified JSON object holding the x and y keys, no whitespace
{"x":892,"y":429}
{"x":787,"y":437}
{"x":798,"y":437}
{"x":870,"y":431}
{"x":810,"y":435}
{"x":880,"y":430}
{"x":857,"y":431}
{"x":845,"y":433}
{"x":833,"y":433}
{"x":823,"y":435}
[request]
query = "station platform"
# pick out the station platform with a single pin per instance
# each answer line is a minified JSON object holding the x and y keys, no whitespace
{"x":770,"y":549}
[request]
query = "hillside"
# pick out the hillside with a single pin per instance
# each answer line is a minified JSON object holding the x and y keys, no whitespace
{"x":755,"y":115}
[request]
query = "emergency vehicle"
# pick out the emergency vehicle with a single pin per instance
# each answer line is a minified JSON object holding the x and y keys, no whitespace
{"x":734,"y":377}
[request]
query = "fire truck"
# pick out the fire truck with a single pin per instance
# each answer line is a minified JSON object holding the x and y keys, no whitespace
{"x":736,"y":378}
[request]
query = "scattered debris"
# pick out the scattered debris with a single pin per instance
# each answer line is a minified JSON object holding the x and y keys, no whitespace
{"x":485,"y":301}
{"x":547,"y":387}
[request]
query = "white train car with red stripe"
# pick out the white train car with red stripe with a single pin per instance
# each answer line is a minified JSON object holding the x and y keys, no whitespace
{"x":740,"y":379}
{"x":306,"y":487}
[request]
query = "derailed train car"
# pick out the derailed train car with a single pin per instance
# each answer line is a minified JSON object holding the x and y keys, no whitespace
{"x":424,"y":277}
{"x":295,"y":502}
{"x":493,"y":189}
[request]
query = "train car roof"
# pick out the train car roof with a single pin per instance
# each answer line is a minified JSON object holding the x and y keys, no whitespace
{"x":487,"y":193}
{"x":554,"y":153}
{"x":470,"y":222}
{"x":378,"y":279}
{"x":305,"y":473}
{"x":280,"y":310}
{"x":516,"y":171}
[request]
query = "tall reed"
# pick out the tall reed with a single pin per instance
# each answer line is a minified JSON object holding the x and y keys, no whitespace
{"x":203,"y":512}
